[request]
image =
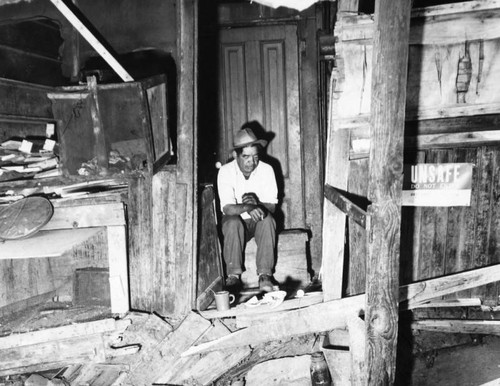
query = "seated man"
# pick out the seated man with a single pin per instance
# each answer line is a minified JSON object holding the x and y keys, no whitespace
{"x":248,"y":196}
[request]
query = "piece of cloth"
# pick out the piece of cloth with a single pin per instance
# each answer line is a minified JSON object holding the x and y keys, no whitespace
{"x":231,"y":185}
{"x":237,"y":231}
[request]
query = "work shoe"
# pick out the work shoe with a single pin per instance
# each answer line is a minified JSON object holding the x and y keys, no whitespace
{"x":265,"y":283}
{"x":233,"y":283}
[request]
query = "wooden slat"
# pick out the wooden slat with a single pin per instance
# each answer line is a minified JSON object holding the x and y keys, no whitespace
{"x":483,"y":214}
{"x":347,"y":206}
{"x":51,"y":355}
{"x":489,"y":327}
{"x":334,"y":221}
{"x":64,"y":332}
{"x":140,"y":248}
{"x":164,"y":225}
{"x":46,"y":243}
{"x":85,"y":216}
{"x":358,"y":186}
{"x":118,"y":274}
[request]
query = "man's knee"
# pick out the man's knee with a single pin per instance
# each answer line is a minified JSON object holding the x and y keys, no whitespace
{"x":232,"y":224}
{"x":269,"y":222}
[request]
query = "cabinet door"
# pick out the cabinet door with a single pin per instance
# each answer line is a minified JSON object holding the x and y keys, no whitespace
{"x":259,"y":82}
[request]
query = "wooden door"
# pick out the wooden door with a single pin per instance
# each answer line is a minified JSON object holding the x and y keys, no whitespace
{"x":259,"y":83}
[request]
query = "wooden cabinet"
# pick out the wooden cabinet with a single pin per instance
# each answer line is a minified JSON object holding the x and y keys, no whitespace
{"x":95,"y":125}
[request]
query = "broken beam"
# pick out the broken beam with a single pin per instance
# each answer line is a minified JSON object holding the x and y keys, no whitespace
{"x":358,"y":215}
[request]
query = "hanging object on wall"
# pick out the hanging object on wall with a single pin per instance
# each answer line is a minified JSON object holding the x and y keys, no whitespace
{"x":464,"y":75}
{"x":299,"y":5}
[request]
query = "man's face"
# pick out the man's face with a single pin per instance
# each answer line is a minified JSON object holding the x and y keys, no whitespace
{"x":248,"y":160}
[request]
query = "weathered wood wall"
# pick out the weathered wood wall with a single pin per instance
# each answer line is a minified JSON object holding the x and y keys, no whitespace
{"x":437,"y":241}
{"x":446,"y":99}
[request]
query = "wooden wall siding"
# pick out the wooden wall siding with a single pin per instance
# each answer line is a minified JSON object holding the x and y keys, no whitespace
{"x":436,"y":59}
{"x":140,"y":235}
{"x":437,"y":241}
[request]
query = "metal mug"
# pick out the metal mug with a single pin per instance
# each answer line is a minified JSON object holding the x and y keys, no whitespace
{"x":223,"y":300}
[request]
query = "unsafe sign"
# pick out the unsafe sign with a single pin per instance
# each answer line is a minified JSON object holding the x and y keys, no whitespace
{"x":437,"y":184}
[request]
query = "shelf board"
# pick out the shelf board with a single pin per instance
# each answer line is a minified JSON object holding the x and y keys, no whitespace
{"x":53,"y":243}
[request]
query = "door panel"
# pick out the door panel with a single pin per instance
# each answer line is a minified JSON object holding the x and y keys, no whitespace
{"x":259,"y":82}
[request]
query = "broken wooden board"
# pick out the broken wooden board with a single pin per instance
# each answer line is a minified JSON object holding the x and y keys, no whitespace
{"x":52,"y":348}
{"x":332,"y":314}
{"x":65,"y":332}
{"x":209,"y":367}
{"x":157,"y":361}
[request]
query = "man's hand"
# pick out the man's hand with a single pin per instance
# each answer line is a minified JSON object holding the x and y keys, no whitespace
{"x":257,"y":214}
{"x":250,"y":198}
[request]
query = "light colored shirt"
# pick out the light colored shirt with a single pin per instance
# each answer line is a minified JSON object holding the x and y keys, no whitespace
{"x":232,"y":184}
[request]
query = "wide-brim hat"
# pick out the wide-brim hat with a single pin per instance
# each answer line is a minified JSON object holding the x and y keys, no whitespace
{"x":246,"y":137}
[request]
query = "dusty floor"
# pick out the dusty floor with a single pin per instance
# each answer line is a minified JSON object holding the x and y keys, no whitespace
{"x":470,"y":365}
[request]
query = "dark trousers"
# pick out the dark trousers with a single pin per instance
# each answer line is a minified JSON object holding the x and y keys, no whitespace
{"x":237,"y":232}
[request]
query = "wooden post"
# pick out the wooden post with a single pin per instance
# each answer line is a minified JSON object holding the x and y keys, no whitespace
{"x":187,"y":132}
{"x":388,"y":90}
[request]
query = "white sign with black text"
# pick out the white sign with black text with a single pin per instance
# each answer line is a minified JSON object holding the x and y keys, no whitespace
{"x":447,"y":184}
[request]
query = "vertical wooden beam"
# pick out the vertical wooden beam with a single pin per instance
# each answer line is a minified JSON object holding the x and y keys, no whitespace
{"x":390,"y":58}
{"x":311,"y":139}
{"x":187,"y":132}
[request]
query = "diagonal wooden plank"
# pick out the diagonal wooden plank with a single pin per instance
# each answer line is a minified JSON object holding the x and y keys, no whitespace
{"x":332,"y":314}
{"x":348,"y":207}
{"x":93,"y":41}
